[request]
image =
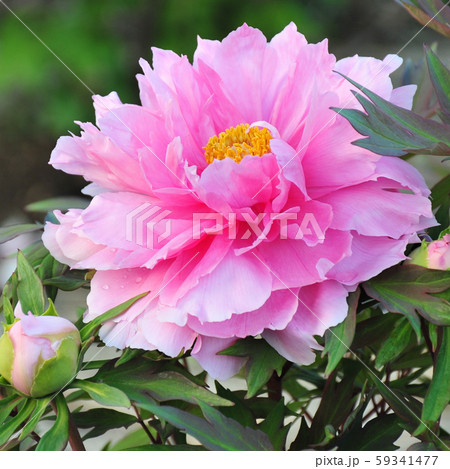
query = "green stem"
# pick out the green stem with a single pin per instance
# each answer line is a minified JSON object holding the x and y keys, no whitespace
{"x":75,"y":441}
{"x":143,"y":425}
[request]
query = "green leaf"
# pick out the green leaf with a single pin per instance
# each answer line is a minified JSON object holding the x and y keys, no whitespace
{"x":102,"y":420}
{"x":11,"y":426}
{"x":429,"y":13}
{"x":165,"y":448}
{"x":440,"y":193}
{"x":394,"y":131}
{"x":131,"y":439}
{"x":41,"y":407}
{"x":51,"y":310}
{"x":438,"y":395}
{"x":127,"y":355}
{"x":339,"y":338}
{"x":336,"y":403}
{"x":378,"y":434}
{"x":394,"y":345}
{"x":103,"y":393}
{"x":10,"y":232}
{"x":65,"y":283}
{"x":373,"y":330}
{"x":7,"y":404}
{"x":216,"y":432}
{"x":90,"y":328}
{"x":57,"y":437}
{"x":139,"y":376}
{"x":262,"y":361}
{"x":274,"y":427}
{"x":57,"y":203}
{"x":8,"y":310}
{"x":404,"y":405}
{"x":440,"y":77}
{"x":410,"y":290}
{"x":29,"y":290}
{"x":241,"y":410}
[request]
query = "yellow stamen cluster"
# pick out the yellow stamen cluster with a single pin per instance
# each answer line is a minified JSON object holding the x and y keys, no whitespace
{"x":238,"y":142}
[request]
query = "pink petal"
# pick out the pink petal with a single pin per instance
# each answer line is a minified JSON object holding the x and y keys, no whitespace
{"x":293,"y":264}
{"x":225,"y":291}
{"x":275,"y":314}
{"x":382,"y":203}
{"x":370,"y":256}
{"x":97,"y":158}
{"x":219,"y":367}
{"x":321,"y":306}
{"x":239,"y":62}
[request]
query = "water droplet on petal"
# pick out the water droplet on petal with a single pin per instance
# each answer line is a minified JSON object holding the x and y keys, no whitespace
{"x":105,"y":287}
{"x":138,"y":279}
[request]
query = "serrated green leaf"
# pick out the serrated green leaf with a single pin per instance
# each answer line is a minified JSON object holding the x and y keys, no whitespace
{"x":10,"y":232}
{"x":262,"y":361}
{"x":11,"y":426}
{"x":394,"y":345}
{"x":91,"y":327}
{"x":338,"y":339}
{"x":392,"y":130}
{"x":57,"y":203}
{"x":29,"y":289}
{"x":438,"y":395}
{"x":57,"y":437}
{"x":411,"y":290}
{"x":103,"y":393}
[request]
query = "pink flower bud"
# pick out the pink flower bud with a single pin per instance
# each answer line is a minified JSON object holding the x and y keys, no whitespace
{"x":39,"y":354}
{"x":438,"y":255}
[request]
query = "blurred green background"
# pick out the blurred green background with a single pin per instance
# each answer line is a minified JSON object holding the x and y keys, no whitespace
{"x":102,"y":40}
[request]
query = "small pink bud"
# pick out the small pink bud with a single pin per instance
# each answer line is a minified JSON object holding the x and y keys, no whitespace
{"x":438,"y":255}
{"x":39,"y":354}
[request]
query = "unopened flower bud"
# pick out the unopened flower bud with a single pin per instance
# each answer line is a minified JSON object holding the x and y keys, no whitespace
{"x":434,"y":255}
{"x":39,"y":354}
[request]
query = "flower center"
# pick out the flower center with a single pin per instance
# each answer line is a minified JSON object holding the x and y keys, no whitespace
{"x":237,"y":142}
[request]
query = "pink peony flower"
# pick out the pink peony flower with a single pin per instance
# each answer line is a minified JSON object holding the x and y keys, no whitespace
{"x":234,"y":196}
